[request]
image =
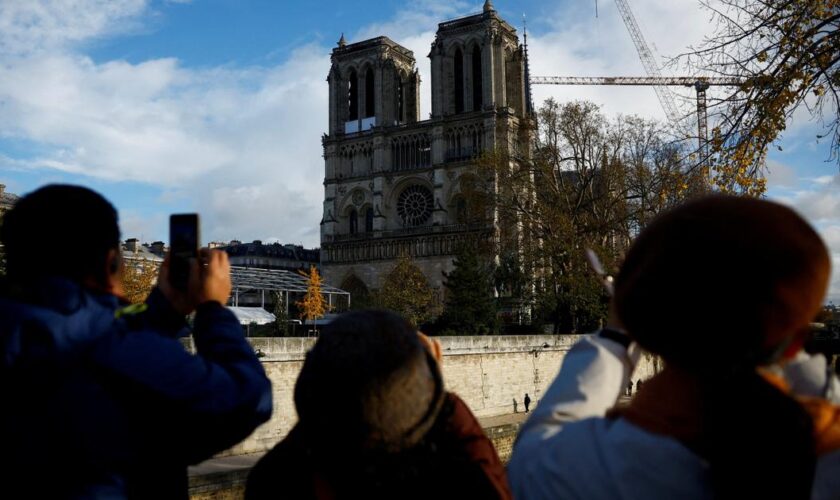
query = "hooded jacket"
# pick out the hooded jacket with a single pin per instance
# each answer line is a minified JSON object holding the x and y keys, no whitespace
{"x":103,"y":402}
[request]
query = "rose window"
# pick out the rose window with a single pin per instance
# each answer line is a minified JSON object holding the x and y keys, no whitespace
{"x":414,"y":205}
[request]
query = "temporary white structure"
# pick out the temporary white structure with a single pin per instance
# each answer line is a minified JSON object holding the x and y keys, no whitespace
{"x":252,"y":315}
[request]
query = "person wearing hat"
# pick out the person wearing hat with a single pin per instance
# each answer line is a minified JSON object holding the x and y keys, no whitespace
{"x":376,"y":422}
{"x":723,"y":289}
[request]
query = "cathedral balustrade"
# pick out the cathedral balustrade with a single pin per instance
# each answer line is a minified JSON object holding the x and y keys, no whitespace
{"x":385,"y":245}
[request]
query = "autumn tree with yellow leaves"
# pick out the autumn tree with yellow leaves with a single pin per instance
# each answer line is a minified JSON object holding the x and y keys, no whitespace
{"x":138,"y":280}
{"x":786,"y":52}
{"x":312,"y":307}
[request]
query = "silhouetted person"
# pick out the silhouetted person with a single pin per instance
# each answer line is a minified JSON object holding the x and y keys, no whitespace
{"x":723,"y":289}
{"x":515,"y":405}
{"x":375,"y":422}
{"x":629,"y":390}
{"x":638,"y":385}
{"x":527,"y":402}
{"x":102,"y":401}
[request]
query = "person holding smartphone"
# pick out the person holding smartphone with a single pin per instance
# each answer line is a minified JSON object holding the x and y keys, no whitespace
{"x":723,"y":289}
{"x":101,"y":400}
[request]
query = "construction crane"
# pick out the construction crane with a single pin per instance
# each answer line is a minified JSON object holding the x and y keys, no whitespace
{"x":648,"y":61}
{"x":700,"y":84}
{"x":660,"y":83}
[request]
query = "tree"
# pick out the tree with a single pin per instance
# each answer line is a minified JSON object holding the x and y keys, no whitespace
{"x":786,"y":52}
{"x":589,"y":183}
{"x":281,"y":315}
{"x":406,"y":292}
{"x":312,"y":306}
{"x":470,"y":307}
{"x":139,"y":277}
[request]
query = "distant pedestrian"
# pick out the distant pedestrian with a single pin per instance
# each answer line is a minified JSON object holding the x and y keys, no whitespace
{"x":527,"y":402}
{"x":629,"y":390}
{"x":638,"y":385}
{"x":515,"y":405}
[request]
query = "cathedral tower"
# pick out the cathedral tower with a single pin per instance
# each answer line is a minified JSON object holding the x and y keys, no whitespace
{"x":392,"y":181}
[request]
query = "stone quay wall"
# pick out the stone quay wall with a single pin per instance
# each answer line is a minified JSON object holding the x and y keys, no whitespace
{"x":488,"y":372}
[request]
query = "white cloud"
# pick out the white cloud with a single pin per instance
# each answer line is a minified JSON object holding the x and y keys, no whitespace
{"x":204,"y":135}
{"x":579,"y":44}
{"x":780,"y":175}
{"x":32,"y":26}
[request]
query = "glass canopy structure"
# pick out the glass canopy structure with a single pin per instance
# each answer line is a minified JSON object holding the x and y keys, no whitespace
{"x":256,"y":282}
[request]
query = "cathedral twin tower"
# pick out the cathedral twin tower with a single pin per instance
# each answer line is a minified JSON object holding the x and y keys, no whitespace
{"x":393,"y":181}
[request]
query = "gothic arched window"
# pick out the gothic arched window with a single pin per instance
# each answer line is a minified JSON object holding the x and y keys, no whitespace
{"x":353,"y":96}
{"x":415,"y":205}
{"x":369,"y":220}
{"x":354,"y":222}
{"x":359,"y":292}
{"x":459,"y":81}
{"x":477,"y":79}
{"x":370,"y":100}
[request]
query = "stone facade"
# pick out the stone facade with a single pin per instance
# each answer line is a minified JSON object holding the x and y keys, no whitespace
{"x":392,"y":181}
{"x":488,"y":373}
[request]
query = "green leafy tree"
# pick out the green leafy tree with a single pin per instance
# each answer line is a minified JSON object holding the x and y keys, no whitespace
{"x":406,"y":291}
{"x":281,"y":316}
{"x":470,"y":307}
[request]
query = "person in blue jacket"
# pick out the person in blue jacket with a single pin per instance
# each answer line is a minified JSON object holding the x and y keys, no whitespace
{"x":101,"y":400}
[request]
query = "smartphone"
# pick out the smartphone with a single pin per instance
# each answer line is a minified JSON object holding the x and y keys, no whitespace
{"x":595,"y":264}
{"x":183,"y":246}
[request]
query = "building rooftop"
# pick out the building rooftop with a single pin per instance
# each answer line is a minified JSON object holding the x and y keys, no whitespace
{"x":259,"y":249}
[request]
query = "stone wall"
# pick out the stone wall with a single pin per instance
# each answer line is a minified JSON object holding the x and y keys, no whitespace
{"x":488,"y":373}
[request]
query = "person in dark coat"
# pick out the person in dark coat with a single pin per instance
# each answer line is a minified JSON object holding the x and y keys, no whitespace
{"x":376,"y":422}
{"x":527,"y":402}
{"x":102,"y":400}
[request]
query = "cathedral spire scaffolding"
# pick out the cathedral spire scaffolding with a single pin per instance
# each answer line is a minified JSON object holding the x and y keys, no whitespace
{"x":529,"y":103}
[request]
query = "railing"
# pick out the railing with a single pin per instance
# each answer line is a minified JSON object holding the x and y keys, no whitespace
{"x":456,"y":22}
{"x":408,"y":231}
{"x":435,"y":241}
{"x":462,"y":154}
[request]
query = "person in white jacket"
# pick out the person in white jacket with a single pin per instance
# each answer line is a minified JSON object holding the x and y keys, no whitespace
{"x":723,"y":289}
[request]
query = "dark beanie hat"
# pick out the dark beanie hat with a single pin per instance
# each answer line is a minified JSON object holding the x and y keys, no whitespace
{"x":368,"y":383}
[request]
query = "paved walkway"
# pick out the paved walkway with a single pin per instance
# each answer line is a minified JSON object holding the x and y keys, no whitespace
{"x":511,"y":418}
{"x":224,"y":465}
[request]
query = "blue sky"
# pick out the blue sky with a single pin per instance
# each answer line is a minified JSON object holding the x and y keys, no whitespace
{"x":218,"y":106}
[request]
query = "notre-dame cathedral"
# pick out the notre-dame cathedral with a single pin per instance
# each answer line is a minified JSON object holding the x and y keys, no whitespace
{"x":393,"y":181}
